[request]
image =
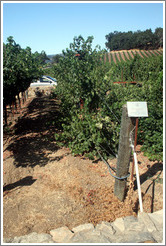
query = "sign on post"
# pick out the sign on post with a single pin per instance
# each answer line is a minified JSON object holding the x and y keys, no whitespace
{"x":137,"y":109}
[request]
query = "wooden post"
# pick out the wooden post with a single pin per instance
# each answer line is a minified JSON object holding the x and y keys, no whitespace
{"x":13,"y":108}
{"x":81,"y":104}
{"x":5,"y":114}
{"x":26,"y":94}
{"x":124,"y":153}
{"x":22,"y":97}
{"x":16,"y":105}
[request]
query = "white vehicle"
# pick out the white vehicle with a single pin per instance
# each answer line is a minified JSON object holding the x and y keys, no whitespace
{"x":44,"y":81}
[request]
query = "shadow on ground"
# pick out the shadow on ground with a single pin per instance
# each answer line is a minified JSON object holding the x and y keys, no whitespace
{"x":34,"y":133}
{"x":150,"y":173}
{"x":41,"y":113}
{"x":27,"y":181}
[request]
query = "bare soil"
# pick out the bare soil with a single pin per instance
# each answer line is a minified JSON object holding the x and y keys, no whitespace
{"x":131,"y":54}
{"x":46,"y":187}
{"x":122,"y":55}
{"x":113,"y":56}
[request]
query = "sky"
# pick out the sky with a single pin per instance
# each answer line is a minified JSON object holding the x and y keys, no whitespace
{"x":51,"y":26}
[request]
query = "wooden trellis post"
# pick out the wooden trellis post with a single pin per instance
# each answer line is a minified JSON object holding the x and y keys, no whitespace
{"x":124,"y":154}
{"x":130,"y":115}
{"x":22,"y":94}
{"x":5,"y":113}
{"x":13,"y":108}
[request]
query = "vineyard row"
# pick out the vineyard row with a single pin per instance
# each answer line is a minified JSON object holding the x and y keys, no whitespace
{"x":126,"y":55}
{"x":15,"y":107}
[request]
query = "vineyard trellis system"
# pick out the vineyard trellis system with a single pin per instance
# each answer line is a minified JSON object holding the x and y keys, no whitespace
{"x":16,"y":105}
{"x":81,"y":80}
{"x":20,"y":67}
{"x":127,"y":55}
{"x":81,"y":86}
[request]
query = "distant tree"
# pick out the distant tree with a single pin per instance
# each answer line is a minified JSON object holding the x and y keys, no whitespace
{"x":130,"y":40}
{"x":112,"y":40}
{"x":41,"y":57}
{"x":159,"y":36}
{"x":56,"y":58}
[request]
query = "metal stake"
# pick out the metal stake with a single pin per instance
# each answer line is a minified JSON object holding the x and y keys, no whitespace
{"x":135,"y":143}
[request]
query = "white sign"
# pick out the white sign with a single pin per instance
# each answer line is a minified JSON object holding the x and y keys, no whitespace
{"x":137,"y":109}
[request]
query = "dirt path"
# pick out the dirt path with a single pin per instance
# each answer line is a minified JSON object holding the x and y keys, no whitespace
{"x":45,"y":187}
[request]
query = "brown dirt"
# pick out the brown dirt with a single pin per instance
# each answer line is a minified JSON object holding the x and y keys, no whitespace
{"x":46,"y":187}
{"x":109,"y":57}
{"x":152,"y":52}
{"x":131,"y":54}
{"x":145,"y":54}
{"x":127,"y":55}
{"x":118,"y":56}
{"x":139,"y":53}
{"x":122,"y":55}
{"x":148,"y":53}
{"x":113,"y":56}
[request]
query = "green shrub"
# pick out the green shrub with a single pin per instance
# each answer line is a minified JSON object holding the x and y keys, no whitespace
{"x":149,"y":72}
{"x":90,"y":116}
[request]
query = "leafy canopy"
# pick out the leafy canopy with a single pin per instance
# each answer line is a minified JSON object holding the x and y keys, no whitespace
{"x":20,"y":67}
{"x":135,"y":40}
{"x":79,"y":73}
{"x":83,"y":77}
